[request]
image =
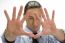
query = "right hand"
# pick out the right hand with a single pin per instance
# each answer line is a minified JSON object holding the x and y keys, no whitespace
{"x":15,"y":26}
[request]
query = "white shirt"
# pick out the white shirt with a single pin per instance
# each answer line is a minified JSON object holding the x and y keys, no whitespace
{"x":42,"y":39}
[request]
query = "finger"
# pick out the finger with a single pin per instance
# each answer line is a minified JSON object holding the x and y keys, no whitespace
{"x":6,"y":14}
{"x":23,"y":19}
{"x":43,"y":15}
{"x":19,"y":13}
{"x":53,"y":13}
{"x":14,"y":13}
{"x":47,"y":16}
{"x":37,"y":16}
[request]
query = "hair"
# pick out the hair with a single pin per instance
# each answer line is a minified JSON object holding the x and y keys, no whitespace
{"x":30,"y":5}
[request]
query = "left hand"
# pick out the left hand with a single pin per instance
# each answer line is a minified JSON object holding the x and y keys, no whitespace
{"x":48,"y":25}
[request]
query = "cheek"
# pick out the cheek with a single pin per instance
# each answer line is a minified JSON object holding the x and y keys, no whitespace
{"x":27,"y":13}
{"x":38,"y":22}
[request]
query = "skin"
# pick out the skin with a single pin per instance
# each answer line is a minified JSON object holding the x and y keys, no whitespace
{"x":33,"y":19}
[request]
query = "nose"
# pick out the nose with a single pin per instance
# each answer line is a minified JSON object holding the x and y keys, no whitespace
{"x":35,"y":23}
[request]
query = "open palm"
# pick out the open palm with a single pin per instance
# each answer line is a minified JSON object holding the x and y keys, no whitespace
{"x":15,"y":26}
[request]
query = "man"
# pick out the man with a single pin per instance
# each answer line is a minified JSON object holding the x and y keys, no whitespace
{"x":33,"y":14}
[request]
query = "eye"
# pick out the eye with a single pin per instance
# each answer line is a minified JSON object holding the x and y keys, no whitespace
{"x":30,"y":17}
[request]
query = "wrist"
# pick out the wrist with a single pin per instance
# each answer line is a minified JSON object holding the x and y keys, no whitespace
{"x":54,"y":32}
{"x":10,"y":36}
{"x":59,"y":35}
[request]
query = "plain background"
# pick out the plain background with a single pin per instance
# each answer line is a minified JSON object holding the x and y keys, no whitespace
{"x":57,"y":5}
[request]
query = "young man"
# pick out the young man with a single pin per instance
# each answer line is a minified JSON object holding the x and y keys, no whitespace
{"x":33,"y":14}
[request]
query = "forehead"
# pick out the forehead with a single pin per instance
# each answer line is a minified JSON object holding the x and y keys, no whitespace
{"x":34,"y":11}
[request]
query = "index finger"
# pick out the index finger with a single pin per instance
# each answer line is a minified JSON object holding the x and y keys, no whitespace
{"x":47,"y":16}
{"x":43,"y":15}
{"x":23,"y":19}
{"x":19,"y":13}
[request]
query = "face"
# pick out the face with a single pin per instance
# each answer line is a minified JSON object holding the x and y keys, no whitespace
{"x":34,"y":19}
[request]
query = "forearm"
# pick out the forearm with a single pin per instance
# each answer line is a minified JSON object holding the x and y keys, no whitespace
{"x":59,"y":34}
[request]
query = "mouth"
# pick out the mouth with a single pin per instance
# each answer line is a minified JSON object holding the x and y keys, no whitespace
{"x":36,"y":28}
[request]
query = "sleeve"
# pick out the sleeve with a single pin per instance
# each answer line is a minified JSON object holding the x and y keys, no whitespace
{"x":64,"y":39}
{"x":8,"y":41}
{"x":4,"y":40}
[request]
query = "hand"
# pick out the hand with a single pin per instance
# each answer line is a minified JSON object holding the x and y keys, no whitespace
{"x":37,"y":35}
{"x":49,"y":27}
{"x":15,"y":26}
{"x":48,"y":24}
{"x":30,"y":34}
